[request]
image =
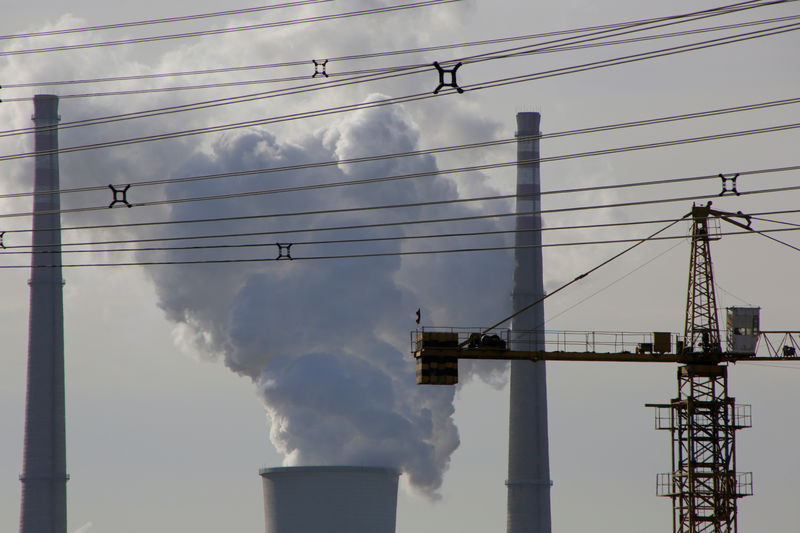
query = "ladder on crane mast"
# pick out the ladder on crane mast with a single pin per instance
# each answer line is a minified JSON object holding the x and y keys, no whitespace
{"x":702,"y":419}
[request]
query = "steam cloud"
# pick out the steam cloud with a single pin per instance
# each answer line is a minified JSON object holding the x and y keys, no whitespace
{"x":325,"y":341}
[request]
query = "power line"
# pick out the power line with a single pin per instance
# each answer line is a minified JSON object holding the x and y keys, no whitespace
{"x":254,"y":96}
{"x":662,"y":144}
{"x":164,"y":20}
{"x":638,"y":57}
{"x":386,"y":239}
{"x":27,"y":248}
{"x":636,"y":242}
{"x":306,"y":63}
{"x":369,"y":55}
{"x":429,"y":151}
{"x":352,"y":107}
{"x":378,"y":103}
{"x":400,"y":223}
{"x":219,"y":31}
{"x":634,"y":28}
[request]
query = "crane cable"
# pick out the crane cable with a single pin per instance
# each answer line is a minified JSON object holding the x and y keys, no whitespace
{"x":578,"y":278}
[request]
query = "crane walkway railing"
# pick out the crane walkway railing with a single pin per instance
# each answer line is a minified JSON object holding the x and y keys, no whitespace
{"x":771,"y":344}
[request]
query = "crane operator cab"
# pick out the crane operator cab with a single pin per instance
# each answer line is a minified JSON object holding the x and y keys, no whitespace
{"x":743,"y":329}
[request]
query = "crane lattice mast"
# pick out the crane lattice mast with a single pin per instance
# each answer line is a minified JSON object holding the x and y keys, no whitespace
{"x":702,"y":419}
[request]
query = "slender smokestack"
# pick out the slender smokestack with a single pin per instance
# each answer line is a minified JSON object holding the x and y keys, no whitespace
{"x":44,"y":469}
{"x":528,"y":455}
{"x":330,"y":499}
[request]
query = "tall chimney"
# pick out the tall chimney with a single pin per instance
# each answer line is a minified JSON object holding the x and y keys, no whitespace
{"x":44,"y":468}
{"x":528,"y":449}
{"x":330,"y":499}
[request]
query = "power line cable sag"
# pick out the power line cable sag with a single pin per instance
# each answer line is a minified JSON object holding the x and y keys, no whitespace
{"x":609,"y":225}
{"x":393,"y":254}
{"x":401,"y":238}
{"x":429,"y":151}
{"x":266,"y":94}
{"x":731,"y":8}
{"x":416,"y":175}
{"x":219,"y":31}
{"x":637,"y":57}
{"x":377,"y":70}
{"x":164,"y":20}
{"x":378,"y":103}
{"x":371,"y":55}
{"x":407,"y":222}
{"x":633,"y":28}
{"x":352,"y":227}
{"x":330,"y":111}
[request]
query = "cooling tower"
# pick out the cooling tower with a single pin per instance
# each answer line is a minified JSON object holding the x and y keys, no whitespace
{"x":330,"y":499}
{"x":528,"y":449}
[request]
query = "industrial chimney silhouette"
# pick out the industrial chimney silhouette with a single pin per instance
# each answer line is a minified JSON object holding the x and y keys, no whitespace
{"x":330,"y":499}
{"x":528,"y":448}
{"x":44,"y":468}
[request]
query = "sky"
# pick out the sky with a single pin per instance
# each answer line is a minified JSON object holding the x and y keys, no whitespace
{"x":184,"y":380}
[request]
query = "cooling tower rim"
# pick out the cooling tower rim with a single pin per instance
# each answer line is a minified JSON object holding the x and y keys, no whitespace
{"x":278,"y":470}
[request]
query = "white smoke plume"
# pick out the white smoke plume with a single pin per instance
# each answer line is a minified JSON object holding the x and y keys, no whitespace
{"x":325,"y":342}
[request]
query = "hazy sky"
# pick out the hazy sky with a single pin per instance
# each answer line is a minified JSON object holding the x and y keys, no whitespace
{"x":170,"y":369}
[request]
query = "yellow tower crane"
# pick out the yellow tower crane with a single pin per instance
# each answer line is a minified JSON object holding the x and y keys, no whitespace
{"x":704,"y":485}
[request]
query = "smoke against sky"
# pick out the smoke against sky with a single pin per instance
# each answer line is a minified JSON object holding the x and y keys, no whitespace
{"x":320,"y":338}
{"x":283,"y":325}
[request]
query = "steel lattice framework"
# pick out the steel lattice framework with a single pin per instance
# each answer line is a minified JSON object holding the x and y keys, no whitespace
{"x":702,"y":324}
{"x":703,"y":420}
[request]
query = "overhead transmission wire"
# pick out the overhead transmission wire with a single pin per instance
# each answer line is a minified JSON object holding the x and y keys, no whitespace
{"x":406,"y":222}
{"x":233,"y":29}
{"x":14,"y":249}
{"x":264,"y":94}
{"x":229,"y":235}
{"x":662,"y":144}
{"x":163,"y":20}
{"x":429,"y":151}
{"x":447,"y":171}
{"x":415,"y":97}
{"x":151,"y":90}
{"x":368,"y":55}
{"x":384,"y":254}
{"x":409,"y":69}
{"x":635,"y":28}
